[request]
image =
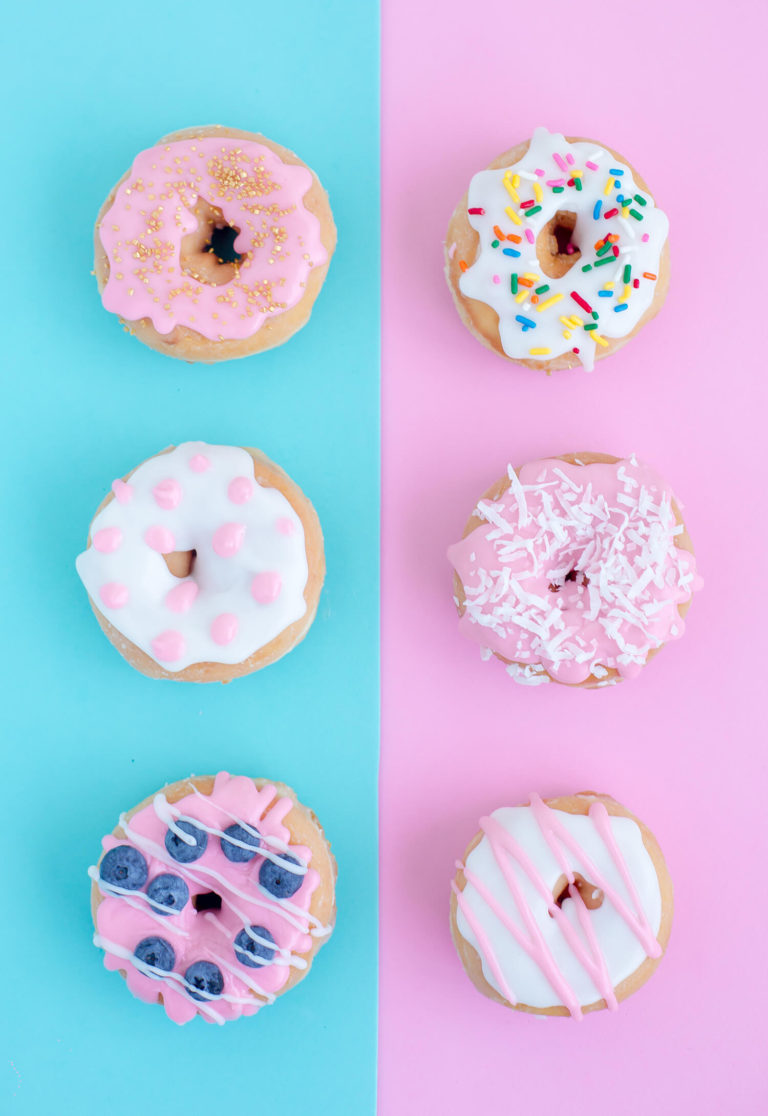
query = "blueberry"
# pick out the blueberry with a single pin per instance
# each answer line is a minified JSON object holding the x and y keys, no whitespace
{"x":169,"y":894}
{"x":205,"y":976}
{"x":235,"y":853}
{"x":156,"y":952}
{"x":125,"y":867}
{"x":179,"y":849}
{"x":252,"y":953}
{"x":278,"y":881}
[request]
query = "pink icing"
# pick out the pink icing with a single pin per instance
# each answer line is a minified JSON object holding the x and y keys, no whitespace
{"x":124,"y":920}
{"x":279,"y":239}
{"x":182,"y":596}
{"x":266,"y":587}
{"x":224,"y":628}
{"x":167,"y":494}
{"x":228,"y":539}
{"x":160,"y":539}
{"x":505,"y":851}
{"x":285,"y":526}
{"x":108,"y":539}
{"x":240,"y":490}
{"x":576,"y":569}
{"x":114,"y":595}
{"x":123,"y":492}
{"x":198,"y":463}
{"x":168,"y":646}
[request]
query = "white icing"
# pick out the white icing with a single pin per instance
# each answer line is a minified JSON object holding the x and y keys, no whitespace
{"x":224,"y":583}
{"x":621,"y":948}
{"x":488,"y":192}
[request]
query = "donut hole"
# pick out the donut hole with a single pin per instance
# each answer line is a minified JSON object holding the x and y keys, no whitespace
{"x":208,"y":253}
{"x":591,"y":895}
{"x":573,"y":575}
{"x":555,"y":249}
{"x":207,"y":901}
{"x":180,"y":562}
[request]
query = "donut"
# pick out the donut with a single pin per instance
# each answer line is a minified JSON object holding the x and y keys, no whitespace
{"x":214,"y":245}
{"x":561,"y":907}
{"x":204,"y":563}
{"x":557,"y":254}
{"x":213,"y":896}
{"x":575,"y":569}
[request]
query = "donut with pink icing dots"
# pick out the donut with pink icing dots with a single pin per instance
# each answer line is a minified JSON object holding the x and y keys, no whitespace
{"x":213,"y":896}
{"x":205,"y":563}
{"x":575,"y":569}
{"x":214,"y":245}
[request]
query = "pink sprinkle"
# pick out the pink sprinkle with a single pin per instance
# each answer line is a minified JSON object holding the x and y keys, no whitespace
{"x":540,"y":173}
{"x":266,"y":587}
{"x":569,"y":249}
{"x":167,"y":494}
{"x":199,"y":463}
{"x":224,"y":628}
{"x":107,"y":539}
{"x":496,"y":278}
{"x":285,"y":526}
{"x":476,"y":209}
{"x":636,"y":283}
{"x":169,"y":646}
{"x":570,"y":158}
{"x":228,"y":539}
{"x":114,"y":595}
{"x":160,"y":539}
{"x":180,"y":598}
{"x":590,"y":164}
{"x":240,"y":490}
{"x":645,"y":237}
{"x":555,"y":182}
{"x":560,"y":161}
{"x":529,"y":236}
{"x":123,"y":492}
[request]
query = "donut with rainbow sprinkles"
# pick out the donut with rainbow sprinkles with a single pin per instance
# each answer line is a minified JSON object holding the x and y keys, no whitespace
{"x":558,"y":254}
{"x":214,"y":245}
{"x":575,"y":569}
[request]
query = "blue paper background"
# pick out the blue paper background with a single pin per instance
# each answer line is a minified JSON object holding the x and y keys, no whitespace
{"x":86,"y":736}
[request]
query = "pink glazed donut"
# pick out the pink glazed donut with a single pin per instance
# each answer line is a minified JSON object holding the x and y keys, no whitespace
{"x":213,"y":896}
{"x":214,"y":245}
{"x":575,"y":569}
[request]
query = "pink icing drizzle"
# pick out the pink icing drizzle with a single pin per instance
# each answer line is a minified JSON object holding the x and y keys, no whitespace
{"x":123,"y":492}
{"x":182,"y":596}
{"x":576,"y":567}
{"x":124,"y":920}
{"x":167,"y":494}
{"x":279,"y":239}
{"x":168,"y":646}
{"x":114,"y":595}
{"x":240,"y":490}
{"x":266,"y":587}
{"x":532,"y":942}
{"x":228,"y":539}
{"x":107,"y":539}
{"x":160,"y":539}
{"x":198,"y":463}
{"x":224,"y":628}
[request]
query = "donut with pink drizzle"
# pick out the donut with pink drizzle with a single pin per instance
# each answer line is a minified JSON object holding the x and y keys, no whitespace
{"x":214,"y":245}
{"x":561,"y":907}
{"x":575,"y":569}
{"x":213,"y":896}
{"x":204,"y":563}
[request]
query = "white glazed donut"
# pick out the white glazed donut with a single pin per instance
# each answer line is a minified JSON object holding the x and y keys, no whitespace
{"x":561,"y":907}
{"x":204,"y":564}
{"x":558,"y":254}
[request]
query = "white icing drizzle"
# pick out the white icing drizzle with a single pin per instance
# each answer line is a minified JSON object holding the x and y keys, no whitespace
{"x":489,"y":278}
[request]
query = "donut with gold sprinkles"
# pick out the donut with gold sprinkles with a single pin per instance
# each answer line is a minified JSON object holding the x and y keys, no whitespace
{"x":557,"y":254}
{"x":214,"y":245}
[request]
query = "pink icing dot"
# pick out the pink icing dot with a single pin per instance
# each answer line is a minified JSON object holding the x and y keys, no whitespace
{"x":167,"y":494}
{"x":266,"y":586}
{"x":180,"y":598}
{"x":497,"y":278}
{"x":114,"y":595}
{"x":529,"y":236}
{"x":240,"y":490}
{"x":107,"y":539}
{"x":285,"y":526}
{"x":160,"y":539}
{"x":224,"y":628}
{"x":228,"y":539}
{"x":199,"y":463}
{"x":168,"y":646}
{"x":123,"y":492}
{"x":645,"y":237}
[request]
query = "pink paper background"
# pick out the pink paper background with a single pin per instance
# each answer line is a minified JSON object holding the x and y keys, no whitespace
{"x":674,"y":88}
